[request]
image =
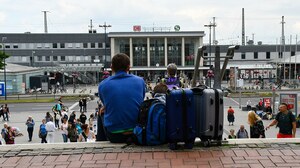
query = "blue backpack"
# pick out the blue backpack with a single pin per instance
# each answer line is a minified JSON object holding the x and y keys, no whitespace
{"x":151,"y":127}
{"x":172,"y":82}
{"x":43,"y":130}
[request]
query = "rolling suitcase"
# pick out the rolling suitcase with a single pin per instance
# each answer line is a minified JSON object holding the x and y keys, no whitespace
{"x":180,"y":118}
{"x":209,"y":109}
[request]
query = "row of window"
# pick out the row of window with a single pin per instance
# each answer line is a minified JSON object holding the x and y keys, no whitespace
{"x":55,"y":58}
{"x":267,"y":55}
{"x":54,"y":45}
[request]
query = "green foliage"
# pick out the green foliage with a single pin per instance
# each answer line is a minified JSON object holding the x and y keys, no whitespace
{"x":3,"y":56}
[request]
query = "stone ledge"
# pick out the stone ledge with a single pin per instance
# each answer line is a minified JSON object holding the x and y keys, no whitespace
{"x":57,"y":149}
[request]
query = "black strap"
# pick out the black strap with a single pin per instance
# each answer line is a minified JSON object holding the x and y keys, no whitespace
{"x":217,"y":114}
{"x":184,"y":115}
{"x":84,"y":136}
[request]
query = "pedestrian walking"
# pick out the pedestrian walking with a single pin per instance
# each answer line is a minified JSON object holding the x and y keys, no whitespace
{"x":80,"y":105}
{"x":230,"y":115}
{"x":82,"y":118}
{"x":257,"y":129}
{"x":72,"y":132}
{"x":48,"y":117}
{"x":43,"y":131}
{"x":30,"y":126}
{"x":84,"y":104}
{"x":64,"y":130}
{"x":50,"y":128}
{"x":10,"y":139}
{"x":286,"y":122}
{"x":87,"y":135}
{"x":6,"y":113}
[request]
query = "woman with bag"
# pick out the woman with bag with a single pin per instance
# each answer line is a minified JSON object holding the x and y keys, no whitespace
{"x":257,"y":129}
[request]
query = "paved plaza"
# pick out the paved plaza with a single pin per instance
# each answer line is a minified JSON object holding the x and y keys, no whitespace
{"x":252,"y":153}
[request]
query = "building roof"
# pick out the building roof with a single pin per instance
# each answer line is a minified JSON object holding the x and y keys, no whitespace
{"x":158,"y":34}
{"x":15,"y":68}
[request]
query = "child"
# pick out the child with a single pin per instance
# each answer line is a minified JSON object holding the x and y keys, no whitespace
{"x":232,"y":136}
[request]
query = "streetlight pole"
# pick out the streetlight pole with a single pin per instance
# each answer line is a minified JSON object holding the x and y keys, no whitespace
{"x":3,"y":48}
{"x":210,"y":25}
{"x":105,"y":26}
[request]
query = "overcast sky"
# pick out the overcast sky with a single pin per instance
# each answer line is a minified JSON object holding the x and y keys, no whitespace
{"x":262,"y":17}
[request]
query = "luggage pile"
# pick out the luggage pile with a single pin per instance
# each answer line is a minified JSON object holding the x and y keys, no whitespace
{"x":187,"y":114}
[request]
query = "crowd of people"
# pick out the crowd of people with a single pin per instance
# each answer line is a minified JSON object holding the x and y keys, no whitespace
{"x":72,"y":128}
{"x":285,"y":120}
{"x":119,"y":111}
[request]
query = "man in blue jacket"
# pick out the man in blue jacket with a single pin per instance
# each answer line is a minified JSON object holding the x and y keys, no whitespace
{"x":121,"y":95}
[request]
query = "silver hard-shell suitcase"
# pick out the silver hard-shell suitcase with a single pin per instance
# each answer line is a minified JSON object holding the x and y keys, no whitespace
{"x":209,"y":110}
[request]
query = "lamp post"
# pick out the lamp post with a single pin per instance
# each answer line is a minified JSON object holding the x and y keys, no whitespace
{"x":3,"y":48}
{"x":105,"y":26}
{"x":32,"y":58}
{"x":210,"y":25}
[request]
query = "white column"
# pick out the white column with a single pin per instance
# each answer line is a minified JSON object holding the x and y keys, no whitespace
{"x":131,"y":52}
{"x":148,"y":52}
{"x":166,"y":51}
{"x":112,"y":47}
{"x":182,"y":51}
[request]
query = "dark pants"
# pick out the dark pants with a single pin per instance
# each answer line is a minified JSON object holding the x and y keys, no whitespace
{"x":80,"y":108}
{"x":43,"y":137}
{"x":57,"y":123}
{"x":101,"y":136}
{"x":5,"y":117}
{"x":30,"y":131}
{"x":84,"y":108}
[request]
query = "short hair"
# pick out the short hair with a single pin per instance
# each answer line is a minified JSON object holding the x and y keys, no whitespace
{"x":172,"y":69}
{"x":160,"y":88}
{"x":120,"y":62}
{"x":284,"y":104}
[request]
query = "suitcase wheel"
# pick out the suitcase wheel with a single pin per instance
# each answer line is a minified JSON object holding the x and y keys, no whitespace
{"x":173,"y":146}
{"x":206,"y":143}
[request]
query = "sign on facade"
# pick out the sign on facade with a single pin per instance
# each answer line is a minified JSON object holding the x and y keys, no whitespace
{"x":290,"y":100}
{"x":2,"y":89}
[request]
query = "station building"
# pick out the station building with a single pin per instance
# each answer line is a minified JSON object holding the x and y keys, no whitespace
{"x":66,"y":56}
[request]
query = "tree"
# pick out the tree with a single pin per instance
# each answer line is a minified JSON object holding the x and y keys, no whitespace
{"x":3,"y":56}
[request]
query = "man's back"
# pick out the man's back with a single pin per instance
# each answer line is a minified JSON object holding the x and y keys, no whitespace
{"x":121,"y":95}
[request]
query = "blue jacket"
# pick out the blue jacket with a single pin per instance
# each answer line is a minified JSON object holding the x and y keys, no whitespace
{"x":121,"y":95}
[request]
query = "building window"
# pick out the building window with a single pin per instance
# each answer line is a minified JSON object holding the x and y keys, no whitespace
{"x":55,"y":58}
{"x":40,"y":58}
{"x":54,"y":45}
{"x":243,"y":56}
{"x":93,"y":58}
{"x":77,"y":45}
{"x":38,"y":45}
{"x":85,"y":45}
{"x":7,"y":46}
{"x":47,"y":58}
{"x":47,"y":45}
{"x":62,"y":58}
{"x":255,"y":55}
{"x":92,"y":45}
{"x":70,"y":45}
{"x":15,"y":46}
{"x":62,"y":45}
{"x":279,"y":54}
{"x":292,"y":53}
{"x":100,"y":45}
{"x":268,"y":55}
